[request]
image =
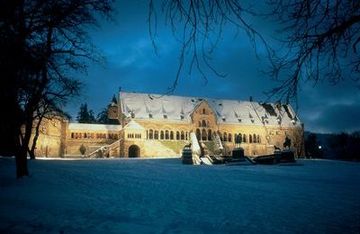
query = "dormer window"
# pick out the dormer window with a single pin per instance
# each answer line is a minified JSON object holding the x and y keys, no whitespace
{"x":165,"y":116}
{"x":224,"y":119}
{"x":239,"y":120}
{"x":132,"y":114}
{"x":220,"y":104}
{"x":181,"y":116}
{"x":150,"y":116}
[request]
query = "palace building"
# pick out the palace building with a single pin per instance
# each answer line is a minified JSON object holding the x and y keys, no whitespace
{"x":152,"y":125}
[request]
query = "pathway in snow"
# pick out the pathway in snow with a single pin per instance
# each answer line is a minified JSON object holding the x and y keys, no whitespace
{"x":164,"y":196}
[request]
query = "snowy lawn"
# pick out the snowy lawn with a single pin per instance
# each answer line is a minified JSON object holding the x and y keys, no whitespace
{"x":164,"y":196}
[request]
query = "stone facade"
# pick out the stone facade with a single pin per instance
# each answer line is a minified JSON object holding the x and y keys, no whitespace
{"x":160,"y":126}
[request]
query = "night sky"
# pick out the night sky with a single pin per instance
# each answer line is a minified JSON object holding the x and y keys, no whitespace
{"x":132,"y":64}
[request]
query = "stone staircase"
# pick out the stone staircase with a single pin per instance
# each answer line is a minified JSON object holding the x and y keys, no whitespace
{"x":104,"y":151}
{"x":155,"y":147}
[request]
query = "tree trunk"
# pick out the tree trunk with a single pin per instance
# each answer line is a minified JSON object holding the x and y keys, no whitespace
{"x":21,"y":157}
{"x":36,"y":136}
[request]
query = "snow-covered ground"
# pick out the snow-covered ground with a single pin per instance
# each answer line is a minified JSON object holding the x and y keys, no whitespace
{"x":164,"y":196}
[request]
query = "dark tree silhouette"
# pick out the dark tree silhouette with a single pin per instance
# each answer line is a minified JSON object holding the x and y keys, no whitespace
{"x":323,"y":42}
{"x":85,"y":115}
{"x":42,"y":43}
{"x":198,"y":26}
{"x":322,"y":37}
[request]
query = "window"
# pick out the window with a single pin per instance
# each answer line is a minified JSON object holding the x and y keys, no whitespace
{"x":156,"y":135}
{"x":132,"y":115}
{"x":250,"y":138}
{"x":203,"y":123}
{"x":204,"y":111}
{"x":244,"y":138}
{"x":72,"y":135}
{"x":167,"y":135}
{"x":151,"y":134}
{"x":258,"y":139}
{"x":182,"y":135}
{"x":182,"y":116}
{"x":171,"y":135}
{"x":203,"y":135}
{"x":198,"y":134}
{"x":254,"y":138}
{"x":165,"y":116}
{"x":225,"y":136}
{"x":150,"y":116}
{"x":177,"y":135}
{"x":229,"y":137}
{"x":209,"y":135}
{"x":161,"y":135}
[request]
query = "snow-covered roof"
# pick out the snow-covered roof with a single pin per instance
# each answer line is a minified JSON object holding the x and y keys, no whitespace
{"x":94,"y":127}
{"x":134,"y":125}
{"x":179,"y":108}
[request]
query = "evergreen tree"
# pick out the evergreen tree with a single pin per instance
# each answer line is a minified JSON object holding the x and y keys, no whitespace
{"x":92,"y":118}
{"x":102,"y":117}
{"x":83,"y":114}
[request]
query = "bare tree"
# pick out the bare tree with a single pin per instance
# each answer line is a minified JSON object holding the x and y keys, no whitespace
{"x":322,"y":37}
{"x":198,"y":26}
{"x":43,"y":44}
{"x":322,"y":43}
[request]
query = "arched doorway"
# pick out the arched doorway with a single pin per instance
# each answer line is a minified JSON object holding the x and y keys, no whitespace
{"x":134,"y":151}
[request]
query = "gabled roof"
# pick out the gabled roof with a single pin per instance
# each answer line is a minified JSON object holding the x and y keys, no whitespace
{"x":134,"y":126}
{"x":155,"y":106}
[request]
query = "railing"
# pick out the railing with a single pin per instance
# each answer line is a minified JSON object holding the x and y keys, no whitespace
{"x":105,"y":149}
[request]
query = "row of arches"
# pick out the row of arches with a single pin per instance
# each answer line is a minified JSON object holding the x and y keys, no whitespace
{"x":202,"y":134}
{"x":247,"y":138}
{"x":207,"y":135}
{"x":86,"y":135}
{"x":166,"y":135}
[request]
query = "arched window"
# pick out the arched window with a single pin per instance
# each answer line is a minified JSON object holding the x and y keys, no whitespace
{"x":225,"y":136}
{"x":203,"y":123}
{"x":235,"y":138}
{"x":244,"y":138}
{"x":250,"y":138}
{"x":198,"y":134}
{"x":72,"y":135}
{"x":254,"y":138}
{"x":161,"y":135}
{"x":199,"y":123}
{"x":151,"y":134}
{"x":177,"y":135}
{"x":203,"y":135}
{"x":239,"y":139}
{"x":182,"y":135}
{"x":167,"y":135}
{"x":171,"y":135}
{"x":258,"y":139}
{"x":204,"y":111}
{"x":156,"y":135}
{"x":209,"y":135}
{"x":229,"y":138}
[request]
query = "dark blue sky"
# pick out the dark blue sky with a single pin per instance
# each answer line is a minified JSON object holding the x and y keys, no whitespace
{"x":132,"y":64}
